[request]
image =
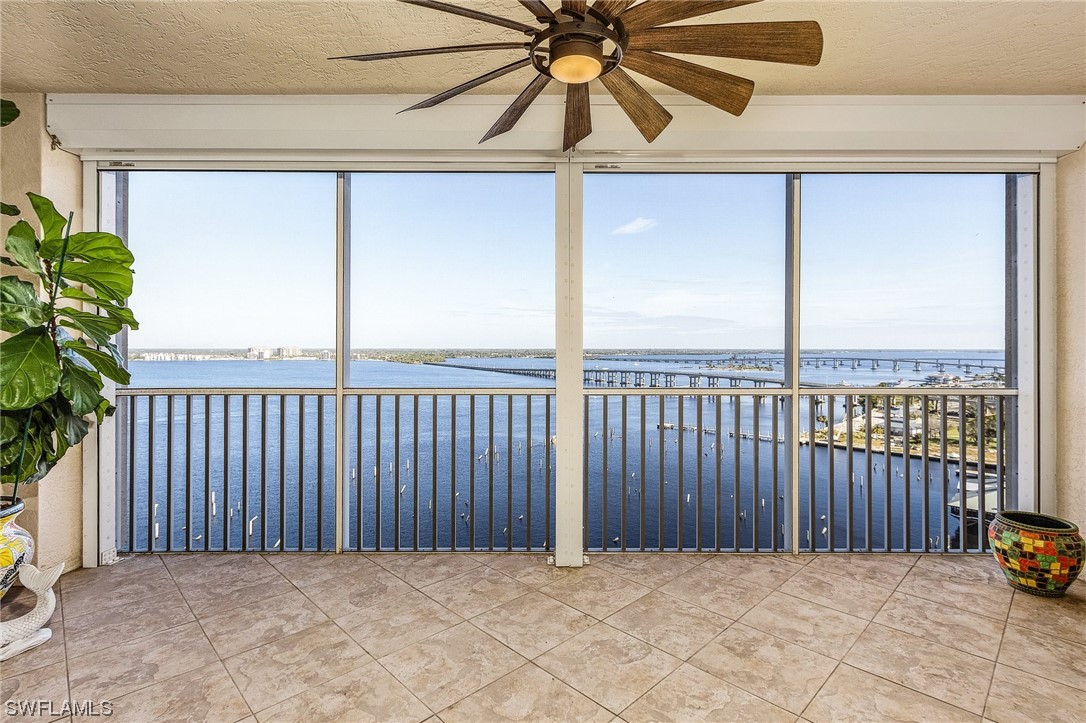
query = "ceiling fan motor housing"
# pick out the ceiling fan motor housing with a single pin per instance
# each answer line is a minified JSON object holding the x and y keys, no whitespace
{"x":580,"y":43}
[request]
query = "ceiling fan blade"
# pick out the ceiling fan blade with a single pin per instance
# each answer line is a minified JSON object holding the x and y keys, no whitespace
{"x":513,"y":113}
{"x":646,"y":113}
{"x":580,"y":7}
{"x":799,"y":43}
{"x":651,"y":13}
{"x":433,"y":51}
{"x":473,"y":83}
{"x":473,"y":14}
{"x":539,"y":9}
{"x":728,"y":92}
{"x":611,"y":9}
{"x":578,"y":115}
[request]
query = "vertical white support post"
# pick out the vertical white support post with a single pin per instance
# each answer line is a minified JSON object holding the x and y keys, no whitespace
{"x":791,"y":351}
{"x":343,"y":355}
{"x":1023,"y":225}
{"x":568,"y":361}
{"x":1047,"y":432}
{"x":93,"y":475}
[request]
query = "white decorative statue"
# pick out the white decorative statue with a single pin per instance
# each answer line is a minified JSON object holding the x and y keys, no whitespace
{"x":26,"y":632}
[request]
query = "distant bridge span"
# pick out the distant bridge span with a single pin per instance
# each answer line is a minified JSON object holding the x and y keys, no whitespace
{"x":637,"y":377}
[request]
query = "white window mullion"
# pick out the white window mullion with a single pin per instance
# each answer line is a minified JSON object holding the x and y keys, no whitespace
{"x":568,"y":360}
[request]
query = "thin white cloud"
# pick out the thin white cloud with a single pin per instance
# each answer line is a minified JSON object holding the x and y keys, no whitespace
{"x":638,"y":225}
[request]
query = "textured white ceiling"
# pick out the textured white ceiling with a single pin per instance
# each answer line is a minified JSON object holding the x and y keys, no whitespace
{"x":1018,"y":47}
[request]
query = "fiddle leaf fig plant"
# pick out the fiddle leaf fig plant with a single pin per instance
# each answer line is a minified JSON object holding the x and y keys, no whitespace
{"x":53,"y":363}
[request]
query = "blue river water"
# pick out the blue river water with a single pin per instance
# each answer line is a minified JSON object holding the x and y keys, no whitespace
{"x":666,"y":470}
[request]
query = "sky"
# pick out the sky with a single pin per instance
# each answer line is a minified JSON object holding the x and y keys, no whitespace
{"x":466,"y":260}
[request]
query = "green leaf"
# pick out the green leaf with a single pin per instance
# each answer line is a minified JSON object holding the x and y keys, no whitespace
{"x":52,"y":223}
{"x":104,"y":409}
{"x":23,"y":247}
{"x":105,"y":363}
{"x":20,"y":306}
{"x":29,"y":372}
{"x":98,"y":328}
{"x":71,"y":430}
{"x":108,"y":279}
{"x":96,"y":246}
{"x":8,"y":210}
{"x":121,"y":313}
{"x":8,"y":112}
{"x":10,"y":428}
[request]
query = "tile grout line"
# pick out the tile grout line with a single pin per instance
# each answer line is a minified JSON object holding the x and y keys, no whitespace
{"x":214,"y":650}
{"x":841,"y":660}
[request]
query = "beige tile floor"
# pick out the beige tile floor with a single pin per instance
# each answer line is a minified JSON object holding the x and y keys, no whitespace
{"x":489,"y":637}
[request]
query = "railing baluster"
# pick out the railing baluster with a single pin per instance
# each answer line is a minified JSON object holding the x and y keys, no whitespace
{"x":906,"y":451}
{"x":812,"y":530}
{"x":680,"y":530}
{"x":227,"y":511}
{"x":188,"y":472}
{"x":925,"y":473}
{"x":661,"y":481}
{"x":547,"y":478}
{"x":452,"y":472}
{"x":944,"y":545}
{"x":320,"y":472}
{"x":737,"y":405}
{"x":624,"y":489}
{"x":169,"y":473}
{"x":887,"y":424}
{"x":207,"y":473}
{"x":415,"y":473}
{"x":433,"y":471}
{"x":360,"y":471}
{"x":982,"y":476}
{"x":755,"y":511}
{"x":528,"y":400}
{"x":132,"y":480}
{"x":490,"y":473}
{"x":603,"y":527}
{"x":151,"y":473}
{"x":397,"y":493}
{"x":509,"y":473}
{"x":850,"y":473}
{"x":471,"y":481}
{"x":718,"y":455}
{"x":263,"y":472}
{"x":282,"y":473}
{"x":641,"y":493}
{"x":700,"y":449}
{"x":245,"y":472}
{"x":869,"y":482}
{"x":831,"y":481}
{"x":377,"y":444}
{"x":585,"y":478}
{"x":775,"y":508}
{"x":963,"y":472}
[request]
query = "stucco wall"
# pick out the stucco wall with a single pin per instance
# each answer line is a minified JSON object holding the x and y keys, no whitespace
{"x":1071,"y":337}
{"x":54,"y":513}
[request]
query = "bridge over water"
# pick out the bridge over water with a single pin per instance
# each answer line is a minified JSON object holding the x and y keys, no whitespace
{"x":835,"y":361}
{"x":638,"y":378}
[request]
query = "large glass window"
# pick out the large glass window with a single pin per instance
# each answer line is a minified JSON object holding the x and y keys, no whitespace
{"x":235,"y":271}
{"x":452,"y":279}
{"x":903,"y":279}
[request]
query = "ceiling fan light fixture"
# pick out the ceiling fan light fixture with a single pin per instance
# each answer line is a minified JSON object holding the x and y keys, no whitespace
{"x":575,"y":60}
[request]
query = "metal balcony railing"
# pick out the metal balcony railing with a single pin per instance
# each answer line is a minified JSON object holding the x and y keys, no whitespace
{"x":675,"y":469}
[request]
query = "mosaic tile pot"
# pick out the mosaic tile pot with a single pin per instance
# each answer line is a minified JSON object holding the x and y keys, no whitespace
{"x":16,"y":544}
{"x":1039,"y":554}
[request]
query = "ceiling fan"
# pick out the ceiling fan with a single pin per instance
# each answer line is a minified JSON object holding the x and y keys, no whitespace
{"x":578,"y":43}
